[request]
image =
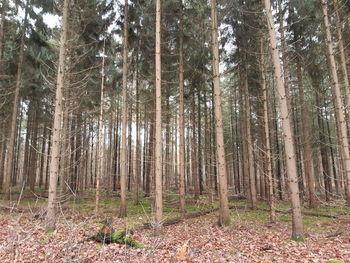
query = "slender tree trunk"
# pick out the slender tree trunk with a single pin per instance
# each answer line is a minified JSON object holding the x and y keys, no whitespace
{"x":130,"y":151}
{"x":47,"y":168}
{"x":338,"y":103}
{"x":158,"y":124}
{"x":138,"y":140}
{"x":194,"y":163}
{"x":2,"y":29}
{"x":42,"y":157}
{"x":249,"y":142}
{"x":33,"y":151}
{"x":267,"y":136}
{"x":12,"y":129}
{"x":287,"y":129}
{"x":56,"y":129}
{"x":224,"y":213}
{"x":199,"y":140}
{"x":100,"y":133}
{"x":306,"y":138}
{"x":244,"y":143}
{"x":123,"y":153}
{"x":181,"y":119}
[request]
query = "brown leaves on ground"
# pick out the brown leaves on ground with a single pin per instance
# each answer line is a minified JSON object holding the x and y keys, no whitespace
{"x":23,"y":239}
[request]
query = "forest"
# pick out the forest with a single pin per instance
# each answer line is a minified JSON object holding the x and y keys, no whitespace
{"x":175,"y":131}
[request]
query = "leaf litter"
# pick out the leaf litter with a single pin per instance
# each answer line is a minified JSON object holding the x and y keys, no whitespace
{"x":23,"y":239}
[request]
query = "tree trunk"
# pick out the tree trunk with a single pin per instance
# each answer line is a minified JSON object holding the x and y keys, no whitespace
{"x":287,"y":129}
{"x":100,"y":135}
{"x":138,"y":140}
{"x":224,"y":213}
{"x":123,"y":153}
{"x":181,"y":119}
{"x":267,"y":136}
{"x":338,"y":103}
{"x":249,"y":142}
{"x":306,"y":138}
{"x":33,"y":151}
{"x":2,"y":29}
{"x":158,"y":124}
{"x":56,"y":129}
{"x":194,"y":163}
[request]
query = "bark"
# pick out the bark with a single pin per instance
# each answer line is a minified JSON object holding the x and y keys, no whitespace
{"x":100,"y":133}
{"x":199,"y":137}
{"x":181,"y":120}
{"x":306,"y":138}
{"x":297,"y":222}
{"x":123,"y":149}
{"x":138,"y":139}
{"x":2,"y":27}
{"x":249,"y":143}
{"x":130,"y":151}
{"x":338,"y":103}
{"x":56,"y":129}
{"x":244,"y":143}
{"x":158,"y":125}
{"x":267,"y":136}
{"x":194,"y":159}
{"x":42,"y":157}
{"x":15,"y":106}
{"x":224,"y":213}
{"x":33,"y":152}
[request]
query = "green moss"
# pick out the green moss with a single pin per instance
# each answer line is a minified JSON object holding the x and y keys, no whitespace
{"x":335,"y":261}
{"x":108,"y":235}
{"x":132,"y":243}
{"x":298,"y":239}
{"x":118,"y":235}
{"x":50,"y":232}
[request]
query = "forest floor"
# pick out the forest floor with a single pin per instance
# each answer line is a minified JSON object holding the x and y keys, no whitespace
{"x":250,"y":237}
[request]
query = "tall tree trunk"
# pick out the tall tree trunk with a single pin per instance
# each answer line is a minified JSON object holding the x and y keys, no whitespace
{"x":199,"y":143}
{"x":158,"y":124}
{"x":249,"y":142}
{"x":123,"y":153}
{"x":338,"y":103}
{"x":100,"y":135}
{"x":2,"y":29}
{"x":138,"y":140}
{"x":42,"y":157}
{"x":12,"y":129}
{"x":33,"y":151}
{"x":56,"y":129}
{"x":267,"y":135}
{"x":194,"y":163}
{"x":287,"y":129}
{"x":181,"y":119}
{"x":224,"y":213}
{"x":306,"y":138}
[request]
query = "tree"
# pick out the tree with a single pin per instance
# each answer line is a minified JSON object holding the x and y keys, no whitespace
{"x":100,"y":132}
{"x":288,"y":140}
{"x":181,"y":118}
{"x":123,"y":153}
{"x":56,"y":128}
{"x":224,"y":212}
{"x":158,"y":124}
